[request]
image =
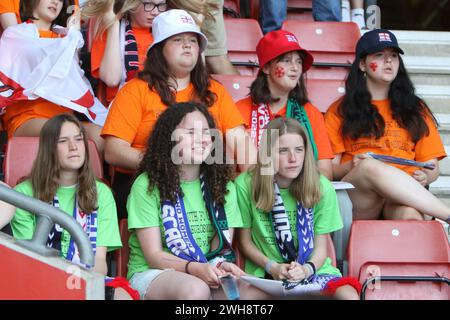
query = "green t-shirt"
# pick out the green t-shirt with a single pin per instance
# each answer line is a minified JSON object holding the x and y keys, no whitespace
{"x":326,"y":219}
{"x":24,"y":222}
{"x":144,"y":211}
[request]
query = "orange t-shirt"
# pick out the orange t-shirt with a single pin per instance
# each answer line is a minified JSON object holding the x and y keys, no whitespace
{"x":136,"y":108}
{"x":144,"y":39}
{"x":10,"y":6}
{"x":22,"y":111}
{"x":315,"y":118}
{"x":395,"y":142}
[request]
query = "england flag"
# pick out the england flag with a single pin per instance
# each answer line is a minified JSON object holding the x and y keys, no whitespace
{"x":32,"y":67}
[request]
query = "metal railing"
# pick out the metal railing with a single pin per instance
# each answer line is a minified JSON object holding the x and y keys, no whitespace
{"x":47,"y":217}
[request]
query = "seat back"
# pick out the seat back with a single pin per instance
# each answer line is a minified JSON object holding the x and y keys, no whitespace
{"x":238,"y":86}
{"x":21,"y":152}
{"x":122,"y":254}
{"x":396,"y":242}
{"x":323,"y":92}
{"x":328,"y":42}
{"x":242,"y":37}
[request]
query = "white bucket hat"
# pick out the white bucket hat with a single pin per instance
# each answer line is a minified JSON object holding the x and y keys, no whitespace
{"x":172,"y":22}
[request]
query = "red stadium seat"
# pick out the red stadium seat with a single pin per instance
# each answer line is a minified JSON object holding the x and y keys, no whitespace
{"x":122,"y":254}
{"x":330,"y":43}
{"x":20,"y":155}
{"x":242,"y":37}
{"x":237,"y":86}
{"x":323,"y":92}
{"x":411,"y":257}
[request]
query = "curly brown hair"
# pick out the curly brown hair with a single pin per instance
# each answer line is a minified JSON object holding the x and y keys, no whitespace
{"x":163,"y":173}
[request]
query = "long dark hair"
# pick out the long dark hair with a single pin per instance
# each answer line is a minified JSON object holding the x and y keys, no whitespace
{"x":27,"y":7}
{"x":157,"y":74}
{"x":361,"y":118}
{"x":159,"y":167}
{"x":260,"y":92}
{"x":46,"y":168}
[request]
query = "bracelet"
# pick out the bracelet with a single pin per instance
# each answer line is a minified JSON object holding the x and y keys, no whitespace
{"x":268,"y":265}
{"x":186,"y":270}
{"x":312,"y":266}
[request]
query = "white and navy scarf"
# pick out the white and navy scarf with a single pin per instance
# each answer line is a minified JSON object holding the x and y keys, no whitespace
{"x":89,"y":224}
{"x":305,"y":235}
{"x":178,"y":235}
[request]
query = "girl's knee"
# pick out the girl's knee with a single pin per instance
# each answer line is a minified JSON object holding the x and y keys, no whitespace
{"x":194,"y":289}
{"x":346,"y":293}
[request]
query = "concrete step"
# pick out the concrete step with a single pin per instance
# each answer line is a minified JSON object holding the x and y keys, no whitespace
{"x":444,"y":165}
{"x":441,"y":187}
{"x":427,"y":64}
{"x":437,"y":97}
{"x":430,"y":79}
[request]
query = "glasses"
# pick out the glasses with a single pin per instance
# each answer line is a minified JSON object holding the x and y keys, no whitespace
{"x":150,"y":6}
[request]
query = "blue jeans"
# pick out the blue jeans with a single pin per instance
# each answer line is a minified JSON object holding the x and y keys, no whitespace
{"x":273,"y":13}
{"x":327,"y":10}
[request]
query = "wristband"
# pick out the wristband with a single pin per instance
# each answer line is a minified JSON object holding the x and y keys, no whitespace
{"x":312,"y":266}
{"x":268,"y":265}
{"x":186,"y":270}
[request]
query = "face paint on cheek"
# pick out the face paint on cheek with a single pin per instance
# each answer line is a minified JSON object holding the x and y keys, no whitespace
{"x":279,"y":72}
{"x":373,"y":66}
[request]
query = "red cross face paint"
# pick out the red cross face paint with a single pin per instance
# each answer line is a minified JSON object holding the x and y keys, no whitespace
{"x":373,"y":66}
{"x":279,"y":72}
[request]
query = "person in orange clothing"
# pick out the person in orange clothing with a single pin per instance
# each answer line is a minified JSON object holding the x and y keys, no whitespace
{"x":380,"y":113}
{"x":279,"y":90}
{"x":26,"y":117}
{"x":9,"y":13}
{"x":173,"y":72}
{"x":121,"y":39}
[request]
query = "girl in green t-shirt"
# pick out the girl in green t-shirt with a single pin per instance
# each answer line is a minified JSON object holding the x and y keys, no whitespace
{"x":61,"y":175}
{"x":288,"y":209}
{"x":182,"y":210}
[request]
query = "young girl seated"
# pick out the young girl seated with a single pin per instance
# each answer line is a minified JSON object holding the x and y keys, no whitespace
{"x":182,"y":210}
{"x":381,"y":113}
{"x":288,"y":209}
{"x":62,"y":176}
{"x":174,"y":72}
{"x":280,"y":90}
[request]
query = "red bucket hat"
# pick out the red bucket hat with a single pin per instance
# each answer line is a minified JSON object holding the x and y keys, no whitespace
{"x":276,"y":43}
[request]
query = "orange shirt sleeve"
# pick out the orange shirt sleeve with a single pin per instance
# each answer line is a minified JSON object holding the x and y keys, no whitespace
{"x":319,"y":132}
{"x":97,"y":51}
{"x":226,"y":112}
{"x":10,"y":6}
{"x":431,"y":146}
{"x":126,"y":112}
{"x":245,"y":108}
{"x":333,"y":123}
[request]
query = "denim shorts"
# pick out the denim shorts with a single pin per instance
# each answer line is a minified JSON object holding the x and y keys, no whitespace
{"x":140,"y":281}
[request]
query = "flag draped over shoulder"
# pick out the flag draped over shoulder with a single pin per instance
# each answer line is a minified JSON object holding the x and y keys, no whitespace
{"x":32,"y":67}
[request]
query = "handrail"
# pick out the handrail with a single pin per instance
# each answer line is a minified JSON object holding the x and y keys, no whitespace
{"x":376,"y":279}
{"x":48,"y":215}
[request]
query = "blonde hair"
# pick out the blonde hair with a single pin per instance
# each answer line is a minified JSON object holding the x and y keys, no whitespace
{"x":96,"y":10}
{"x":305,"y":188}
